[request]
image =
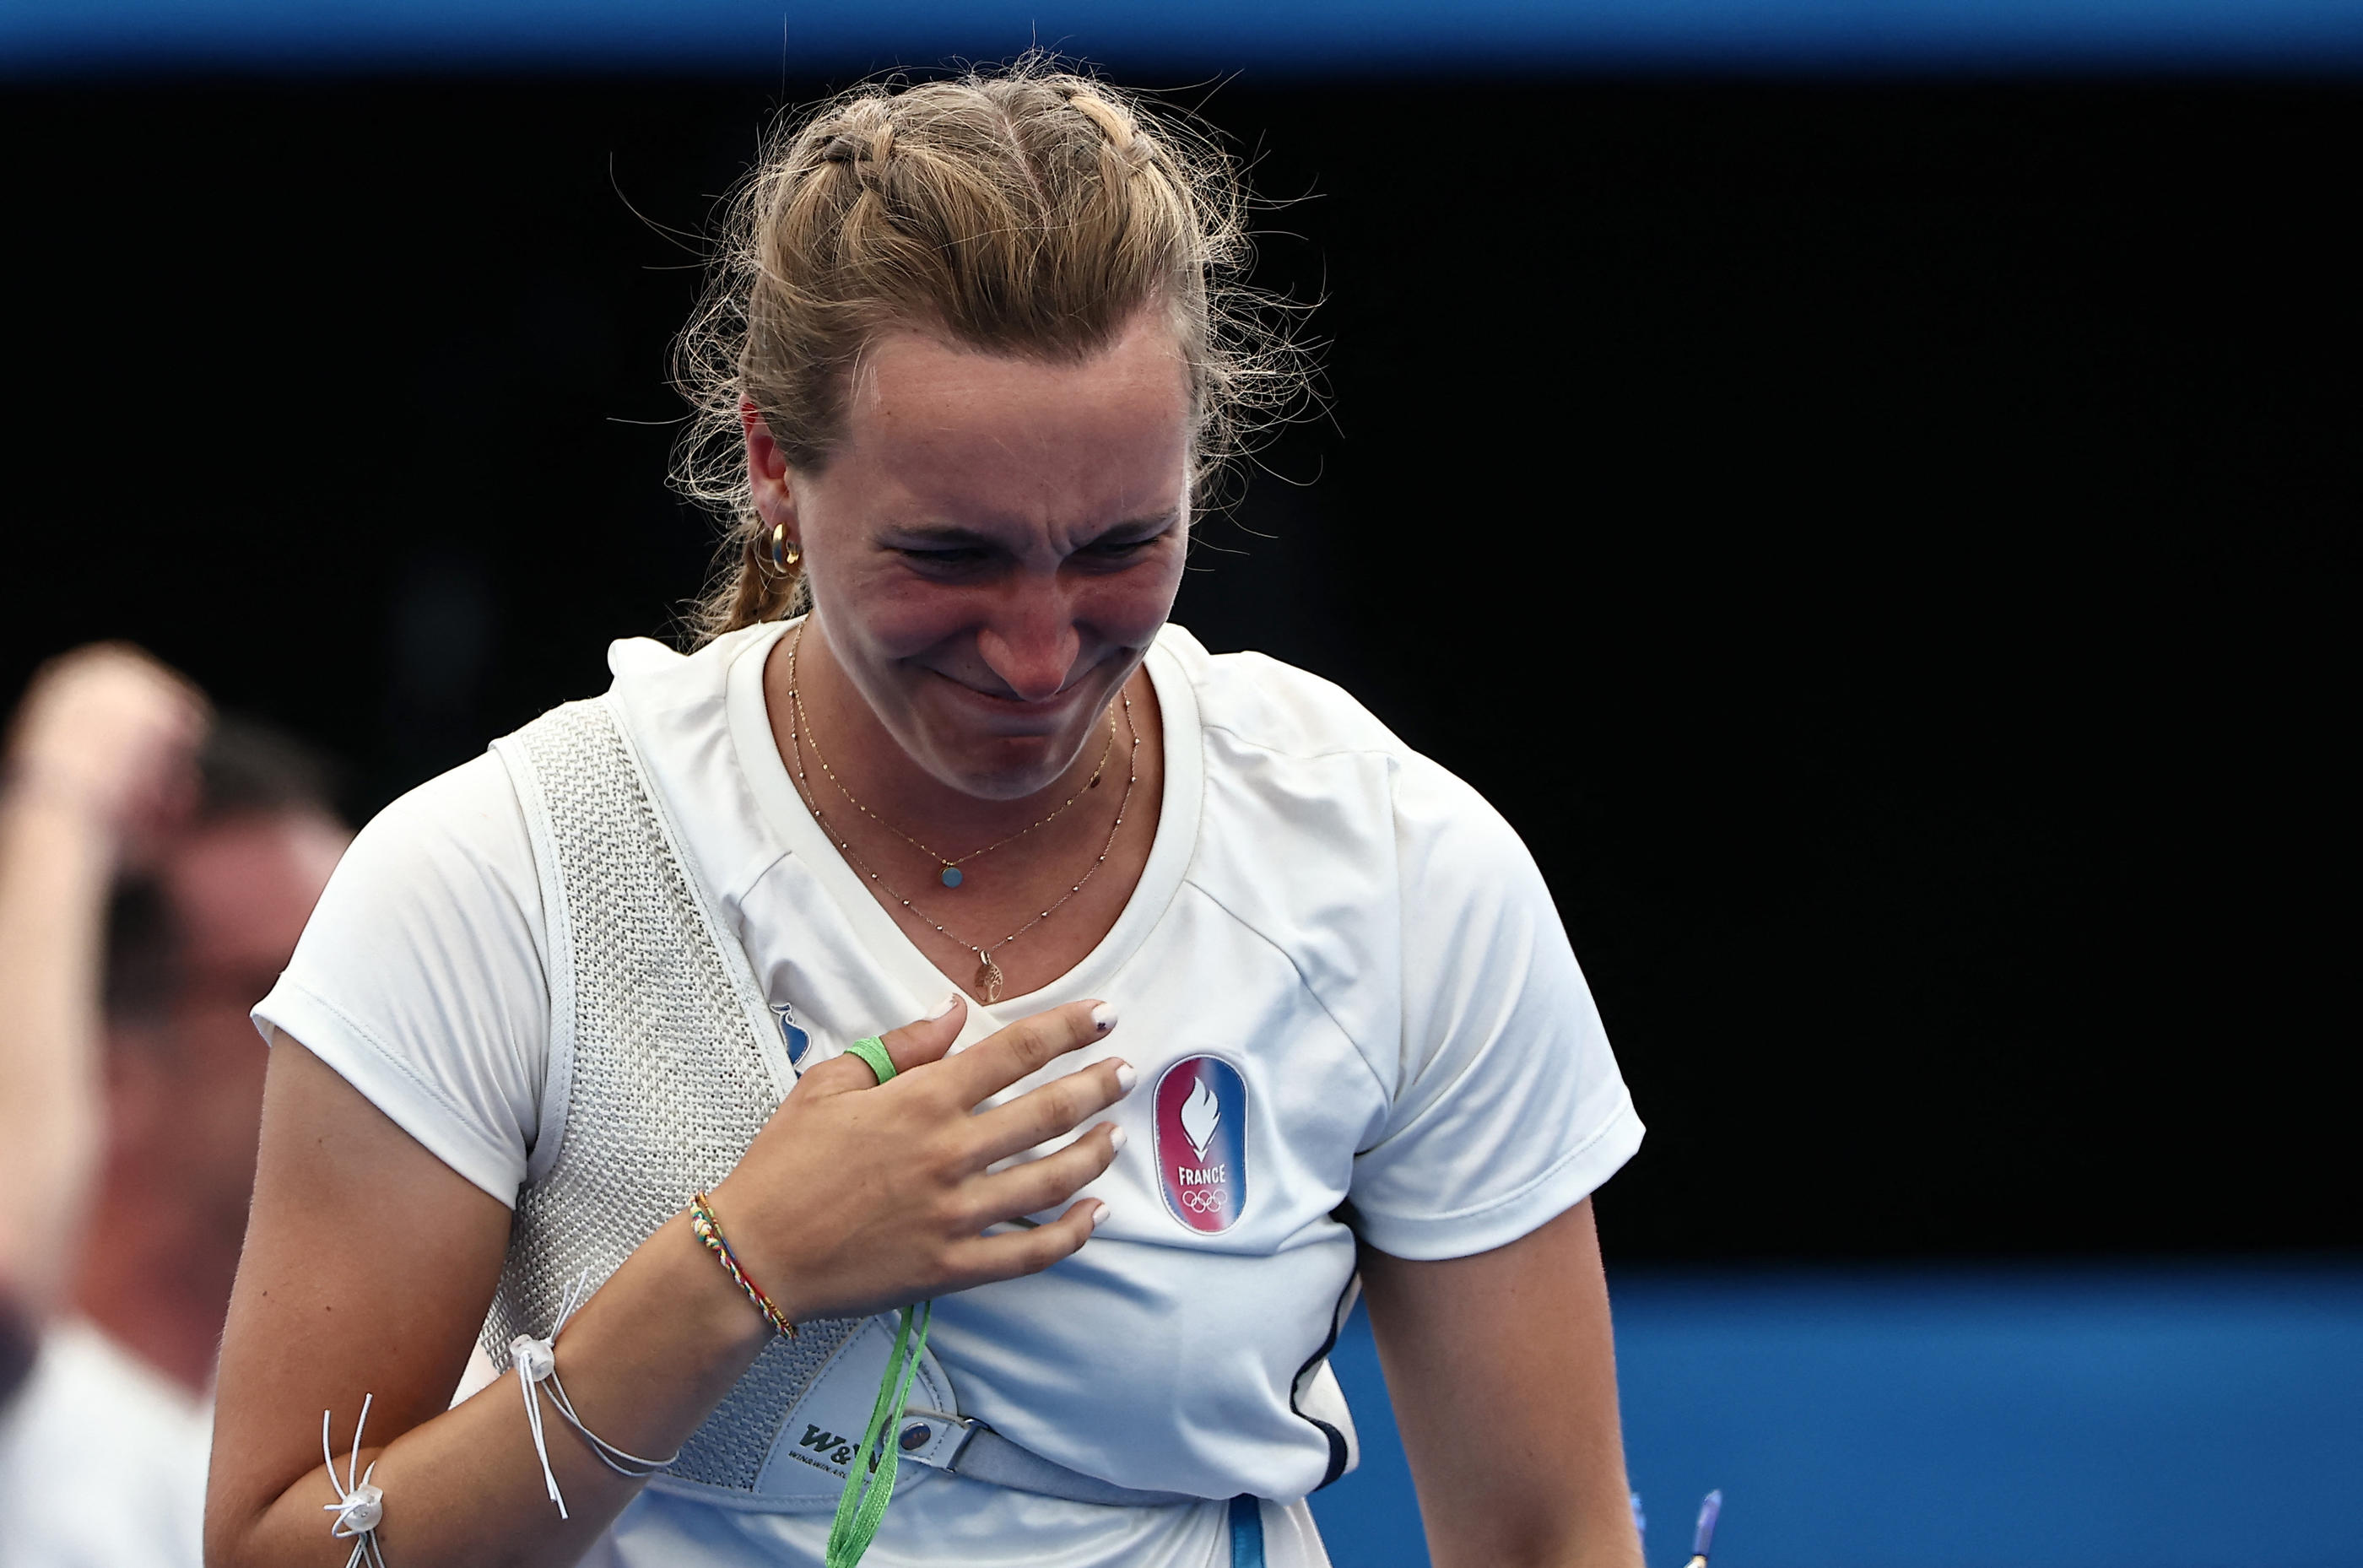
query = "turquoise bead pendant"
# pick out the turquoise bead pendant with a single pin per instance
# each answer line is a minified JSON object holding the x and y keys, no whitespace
{"x":951,"y":876}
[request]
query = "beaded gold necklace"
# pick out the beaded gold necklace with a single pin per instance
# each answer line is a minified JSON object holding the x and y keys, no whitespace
{"x":987,"y":982}
{"x":950,"y":876}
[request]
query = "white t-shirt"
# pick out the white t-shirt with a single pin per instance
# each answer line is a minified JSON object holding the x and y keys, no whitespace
{"x":1341,"y":978}
{"x":102,"y":1460}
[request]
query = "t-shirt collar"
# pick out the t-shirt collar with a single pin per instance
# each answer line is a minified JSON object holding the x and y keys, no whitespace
{"x":786,"y":815}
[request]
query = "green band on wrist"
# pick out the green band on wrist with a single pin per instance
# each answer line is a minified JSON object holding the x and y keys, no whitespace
{"x":873,"y":1051}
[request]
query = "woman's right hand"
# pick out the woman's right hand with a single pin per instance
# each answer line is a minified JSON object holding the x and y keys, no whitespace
{"x":369,"y":1260}
{"x":859,"y":1195}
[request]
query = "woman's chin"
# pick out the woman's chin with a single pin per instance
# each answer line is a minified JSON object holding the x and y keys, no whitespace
{"x":994,"y":749}
{"x":993,"y":773}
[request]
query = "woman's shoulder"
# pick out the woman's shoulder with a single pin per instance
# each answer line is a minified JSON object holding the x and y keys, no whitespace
{"x":1285,"y":743}
{"x":656,"y":672}
{"x":469,"y":825}
{"x":1255,"y":700}
{"x":470,"y":812}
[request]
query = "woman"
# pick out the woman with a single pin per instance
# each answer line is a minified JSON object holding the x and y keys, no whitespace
{"x":972,"y":350}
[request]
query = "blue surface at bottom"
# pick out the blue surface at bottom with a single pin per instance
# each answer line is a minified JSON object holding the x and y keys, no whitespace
{"x":2168,"y":1416}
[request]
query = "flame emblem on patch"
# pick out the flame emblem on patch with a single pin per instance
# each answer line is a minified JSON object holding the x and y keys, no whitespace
{"x":1202,"y":1114}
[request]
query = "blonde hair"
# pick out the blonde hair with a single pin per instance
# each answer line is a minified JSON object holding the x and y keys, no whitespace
{"x":1026,"y":210}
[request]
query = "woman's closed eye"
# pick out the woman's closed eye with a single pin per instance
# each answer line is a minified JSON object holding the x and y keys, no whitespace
{"x":945,"y":560}
{"x":1128,"y":543}
{"x":1118,"y":549}
{"x":965,"y":560}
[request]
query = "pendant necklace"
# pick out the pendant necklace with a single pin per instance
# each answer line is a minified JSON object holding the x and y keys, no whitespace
{"x":950,"y":876}
{"x":988,"y":982}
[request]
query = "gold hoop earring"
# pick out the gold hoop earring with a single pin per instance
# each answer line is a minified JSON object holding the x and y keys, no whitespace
{"x":785,"y":556}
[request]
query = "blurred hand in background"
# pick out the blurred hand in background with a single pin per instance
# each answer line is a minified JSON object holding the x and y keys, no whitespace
{"x":101,"y":766}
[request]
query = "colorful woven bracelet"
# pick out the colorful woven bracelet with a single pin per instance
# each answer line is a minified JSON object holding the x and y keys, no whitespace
{"x":701,"y":1221}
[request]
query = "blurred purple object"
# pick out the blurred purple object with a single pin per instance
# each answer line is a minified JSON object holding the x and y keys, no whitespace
{"x":1709,"y":1511}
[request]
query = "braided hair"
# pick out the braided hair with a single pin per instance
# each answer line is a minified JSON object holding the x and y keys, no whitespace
{"x":1025,"y":210}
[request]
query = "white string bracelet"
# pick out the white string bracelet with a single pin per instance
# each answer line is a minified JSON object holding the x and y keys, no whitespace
{"x":358,"y":1506}
{"x":537,"y":1364}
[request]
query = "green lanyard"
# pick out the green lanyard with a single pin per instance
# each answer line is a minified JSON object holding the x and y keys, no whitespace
{"x":870,"y":1485}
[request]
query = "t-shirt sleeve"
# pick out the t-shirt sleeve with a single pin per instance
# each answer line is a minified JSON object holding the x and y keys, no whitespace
{"x":1509,"y":1109}
{"x":421,"y":976}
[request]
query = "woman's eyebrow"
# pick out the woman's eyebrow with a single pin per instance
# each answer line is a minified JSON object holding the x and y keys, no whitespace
{"x":952,"y":534}
{"x":961,"y":535}
{"x":1147,"y":526}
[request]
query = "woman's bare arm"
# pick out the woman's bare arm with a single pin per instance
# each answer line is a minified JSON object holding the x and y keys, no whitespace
{"x":1502,"y":1373}
{"x":369,"y":1264}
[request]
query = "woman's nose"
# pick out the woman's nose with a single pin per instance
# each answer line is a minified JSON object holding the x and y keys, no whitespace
{"x":1032,"y":648}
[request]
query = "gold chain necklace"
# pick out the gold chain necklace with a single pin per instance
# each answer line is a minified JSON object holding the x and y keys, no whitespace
{"x":950,"y":876}
{"x":987,"y":982}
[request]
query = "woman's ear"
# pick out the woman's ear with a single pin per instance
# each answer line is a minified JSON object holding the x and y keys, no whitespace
{"x":766,"y":469}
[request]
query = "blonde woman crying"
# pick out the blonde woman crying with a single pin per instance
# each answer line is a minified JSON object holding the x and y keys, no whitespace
{"x":921,"y":1077}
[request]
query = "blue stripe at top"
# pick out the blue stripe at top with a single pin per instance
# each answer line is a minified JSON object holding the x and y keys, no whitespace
{"x":1306,"y":37}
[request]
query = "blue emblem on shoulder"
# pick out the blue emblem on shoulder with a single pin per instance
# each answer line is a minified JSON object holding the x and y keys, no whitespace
{"x":797,"y":1041}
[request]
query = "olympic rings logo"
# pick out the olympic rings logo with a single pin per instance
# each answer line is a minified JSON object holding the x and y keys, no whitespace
{"x":1203,"y":1200}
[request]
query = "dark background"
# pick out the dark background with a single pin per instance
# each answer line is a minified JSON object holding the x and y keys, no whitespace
{"x":1883,"y":545}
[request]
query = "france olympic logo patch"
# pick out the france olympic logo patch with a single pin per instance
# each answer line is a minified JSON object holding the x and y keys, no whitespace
{"x":1201,"y":1142}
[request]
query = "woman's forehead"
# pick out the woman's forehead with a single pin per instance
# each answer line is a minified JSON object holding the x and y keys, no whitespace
{"x":1007,"y":433}
{"x":906,"y":376}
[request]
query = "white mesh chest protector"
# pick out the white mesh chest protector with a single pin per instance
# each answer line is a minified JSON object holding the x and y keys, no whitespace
{"x":667,"y":1063}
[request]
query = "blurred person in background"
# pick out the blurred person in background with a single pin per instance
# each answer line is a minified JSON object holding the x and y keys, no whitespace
{"x":156,"y":867}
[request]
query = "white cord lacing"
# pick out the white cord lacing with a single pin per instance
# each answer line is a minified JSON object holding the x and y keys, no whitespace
{"x":537,"y":1364}
{"x":358,"y":1506}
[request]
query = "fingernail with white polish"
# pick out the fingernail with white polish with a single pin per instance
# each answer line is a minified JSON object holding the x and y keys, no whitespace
{"x":1100,"y":1219}
{"x":1125,"y":1077}
{"x":1103,"y":1016}
{"x":1117,"y":1138}
{"x":949,"y":1002}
